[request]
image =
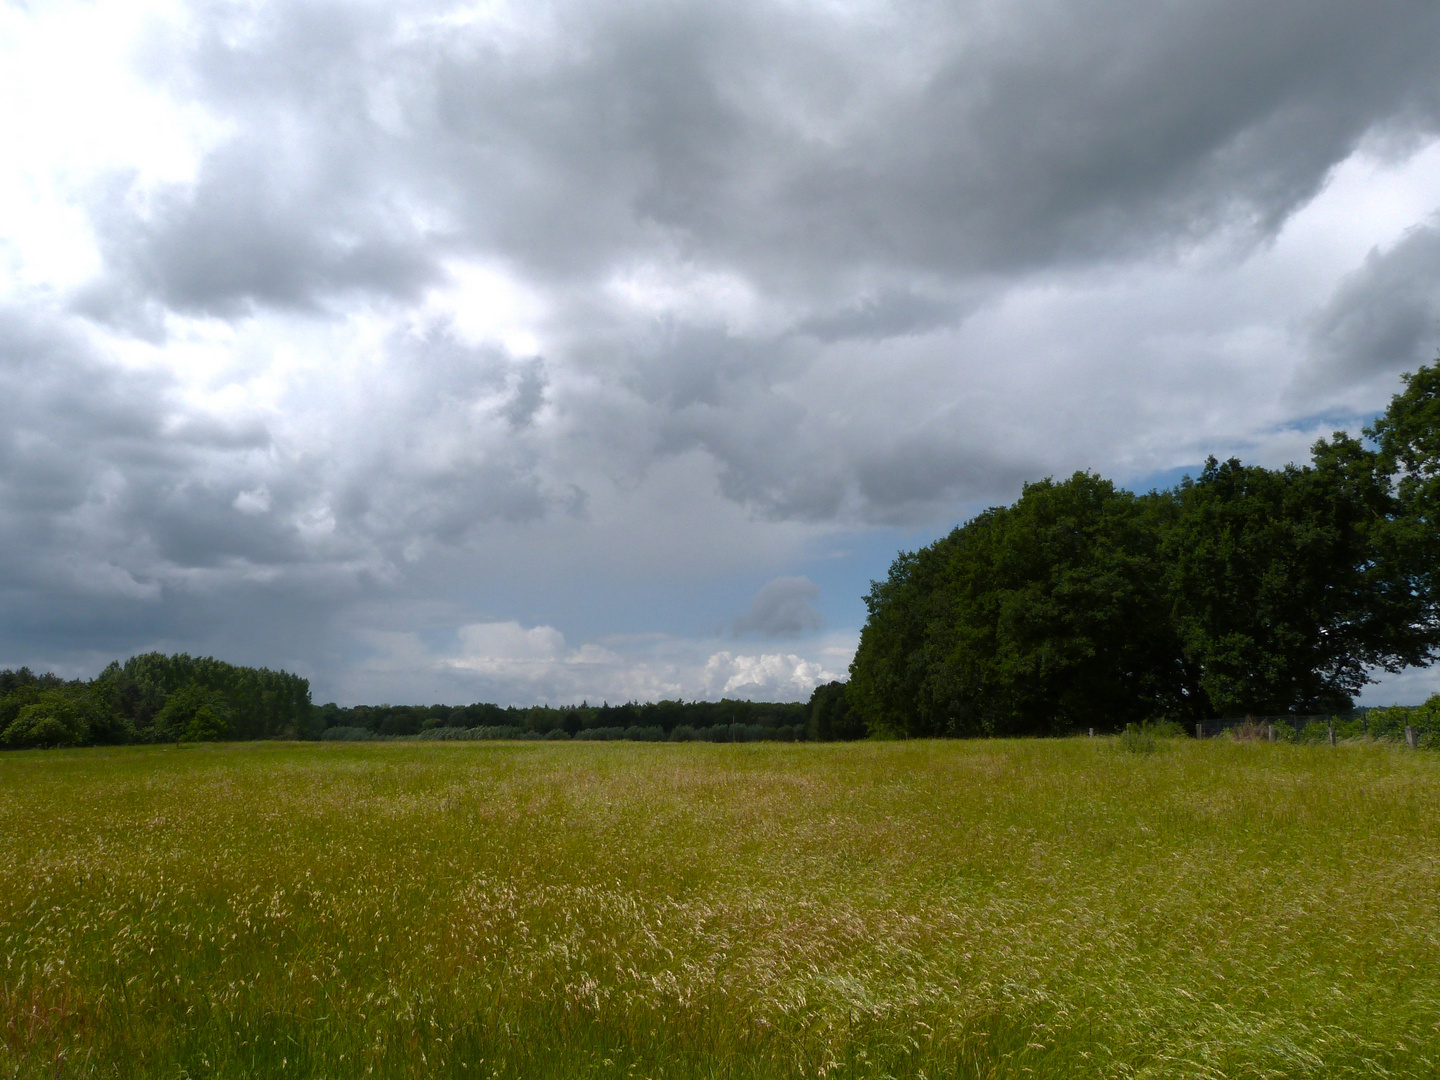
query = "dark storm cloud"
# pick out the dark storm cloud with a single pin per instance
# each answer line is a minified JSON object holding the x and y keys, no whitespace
{"x":890,"y":313}
{"x":826,"y":158}
{"x":1386,"y":316}
{"x":791,"y":144}
{"x":99,"y":497}
{"x":244,"y":237}
{"x":794,"y":144}
{"x":527,"y":395}
{"x":782,"y":608}
{"x":99,"y":463}
{"x":66,"y":417}
{"x":927,"y":467}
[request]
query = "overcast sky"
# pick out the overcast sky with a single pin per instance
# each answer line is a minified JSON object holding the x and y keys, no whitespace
{"x":547,"y":351}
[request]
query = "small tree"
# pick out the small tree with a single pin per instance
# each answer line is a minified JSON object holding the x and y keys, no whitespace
{"x":53,"y":718}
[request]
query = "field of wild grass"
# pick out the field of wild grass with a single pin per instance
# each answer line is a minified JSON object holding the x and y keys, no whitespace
{"x":1055,"y":908}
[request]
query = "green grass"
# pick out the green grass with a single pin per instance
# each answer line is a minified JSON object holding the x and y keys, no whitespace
{"x":995,"y":909}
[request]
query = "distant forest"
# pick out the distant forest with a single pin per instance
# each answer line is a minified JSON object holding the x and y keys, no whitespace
{"x":156,"y":698}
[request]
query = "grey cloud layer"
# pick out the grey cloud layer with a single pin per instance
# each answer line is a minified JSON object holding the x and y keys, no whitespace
{"x":1386,"y":315}
{"x":783,"y":607}
{"x":753,"y":235}
{"x":802,"y":145}
{"x":869,"y":175}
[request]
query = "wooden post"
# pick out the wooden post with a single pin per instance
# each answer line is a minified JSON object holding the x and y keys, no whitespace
{"x":1410,"y":739}
{"x":1092,"y":733}
{"x":1332,"y":734}
{"x":1199,"y":731}
{"x":1269,"y":732}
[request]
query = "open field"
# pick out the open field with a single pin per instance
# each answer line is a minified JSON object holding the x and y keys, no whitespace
{"x":1037,"y":908}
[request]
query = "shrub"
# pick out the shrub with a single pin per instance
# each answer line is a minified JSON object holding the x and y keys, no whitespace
{"x":53,"y":718}
{"x":1138,"y":739}
{"x":1145,"y":737}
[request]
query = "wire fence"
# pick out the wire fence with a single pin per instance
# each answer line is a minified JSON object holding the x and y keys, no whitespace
{"x":1417,"y":726}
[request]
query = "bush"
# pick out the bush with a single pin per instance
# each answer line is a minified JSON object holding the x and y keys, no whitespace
{"x":1388,"y":723}
{"x":1144,"y":737}
{"x":207,"y":725}
{"x":52,"y":718}
{"x":1138,"y":739}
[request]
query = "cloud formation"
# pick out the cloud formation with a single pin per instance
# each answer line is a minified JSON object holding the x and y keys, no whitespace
{"x":323,"y":326}
{"x":1386,"y":315}
{"x":509,"y":663}
{"x":782,"y":608}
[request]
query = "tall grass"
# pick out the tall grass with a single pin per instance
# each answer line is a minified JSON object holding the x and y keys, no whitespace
{"x":937,"y":909}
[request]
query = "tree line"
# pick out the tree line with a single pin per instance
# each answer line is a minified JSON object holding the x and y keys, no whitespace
{"x":718,"y":721}
{"x":156,"y":698}
{"x":1243,"y":590}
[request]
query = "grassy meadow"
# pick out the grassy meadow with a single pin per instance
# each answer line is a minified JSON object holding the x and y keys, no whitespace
{"x":1044,"y":908}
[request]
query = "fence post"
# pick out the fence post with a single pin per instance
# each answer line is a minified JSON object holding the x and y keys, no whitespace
{"x":1269,"y":732}
{"x":1092,"y":733}
{"x":1410,"y":739}
{"x":1199,"y":731}
{"x":1332,"y":734}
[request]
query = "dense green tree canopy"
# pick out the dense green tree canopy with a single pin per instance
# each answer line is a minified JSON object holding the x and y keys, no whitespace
{"x":155,"y":698}
{"x":1408,"y":437}
{"x":830,"y":716}
{"x":1039,"y":616}
{"x":1243,"y":590}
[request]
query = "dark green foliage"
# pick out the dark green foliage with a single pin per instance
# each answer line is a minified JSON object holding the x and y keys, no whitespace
{"x":1243,"y":591}
{"x":194,"y":714}
{"x":716,"y":721}
{"x":11,"y":681}
{"x":155,"y":698}
{"x":1391,"y":723}
{"x":1283,"y":595}
{"x":1042,"y":616}
{"x":340,"y":733}
{"x":1408,"y":437}
{"x":47,"y":711}
{"x":244,"y":703}
{"x":830,"y":717}
{"x":47,"y":718}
